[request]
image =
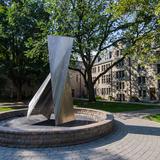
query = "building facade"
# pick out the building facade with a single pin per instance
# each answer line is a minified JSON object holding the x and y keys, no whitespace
{"x":77,"y":84}
{"x":126,"y":81}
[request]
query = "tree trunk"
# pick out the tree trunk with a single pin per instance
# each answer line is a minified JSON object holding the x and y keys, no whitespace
{"x":90,"y":87}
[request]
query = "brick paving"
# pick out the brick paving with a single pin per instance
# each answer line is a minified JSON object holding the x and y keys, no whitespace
{"x":134,"y":138}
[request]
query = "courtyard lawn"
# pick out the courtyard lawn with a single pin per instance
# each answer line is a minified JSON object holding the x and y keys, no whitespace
{"x":114,"y":106}
{"x":155,"y":118}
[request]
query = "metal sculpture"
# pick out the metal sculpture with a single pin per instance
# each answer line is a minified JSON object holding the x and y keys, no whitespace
{"x":54,"y":95}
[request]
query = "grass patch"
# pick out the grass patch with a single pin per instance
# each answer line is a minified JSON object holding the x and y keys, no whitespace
{"x":155,"y":118}
{"x":3,"y":109}
{"x":113,"y":106}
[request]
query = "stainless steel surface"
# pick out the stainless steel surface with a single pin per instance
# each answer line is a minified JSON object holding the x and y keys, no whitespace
{"x":55,"y":92}
{"x":66,"y":112}
{"x":42,"y":102}
{"x":59,"y":56}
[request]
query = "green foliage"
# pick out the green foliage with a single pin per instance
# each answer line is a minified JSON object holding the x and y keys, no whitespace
{"x":98,"y":98}
{"x":95,"y":25}
{"x":145,"y":35}
{"x":84,"y":20}
{"x":111,"y":98}
{"x":23,"y":31}
{"x":4,"y":109}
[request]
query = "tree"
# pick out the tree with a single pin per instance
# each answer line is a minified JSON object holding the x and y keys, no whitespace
{"x":22,"y":29}
{"x":95,"y":27}
{"x":146,"y":45}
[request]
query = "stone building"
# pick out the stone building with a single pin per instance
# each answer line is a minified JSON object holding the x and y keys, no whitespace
{"x":77,"y":84}
{"x":128,"y":80}
{"x":8,"y":91}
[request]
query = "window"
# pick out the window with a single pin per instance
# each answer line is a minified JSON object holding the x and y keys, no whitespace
{"x":120,"y":64}
{"x":110,"y":54}
{"x":108,"y":91}
{"x":103,"y":79}
{"x":103,"y":91}
{"x":120,"y":74}
{"x":102,"y":68}
{"x":158,"y":68}
{"x":141,"y":80}
{"x":120,"y":97}
{"x":142,"y":93}
{"x":117,"y":53}
{"x":108,"y":78}
{"x":120,"y":85}
{"x":98,"y":69}
{"x":94,"y":70}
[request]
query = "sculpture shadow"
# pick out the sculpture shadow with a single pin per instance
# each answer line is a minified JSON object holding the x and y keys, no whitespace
{"x":74,"y":123}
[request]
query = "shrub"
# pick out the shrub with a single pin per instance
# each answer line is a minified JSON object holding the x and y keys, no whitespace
{"x":98,"y":98}
{"x":111,"y":98}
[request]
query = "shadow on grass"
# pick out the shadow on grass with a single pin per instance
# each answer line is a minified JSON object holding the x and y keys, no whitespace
{"x":114,"y":106}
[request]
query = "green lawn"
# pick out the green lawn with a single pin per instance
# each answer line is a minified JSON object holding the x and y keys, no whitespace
{"x":3,"y":109}
{"x":106,"y":106}
{"x":155,"y":118}
{"x":113,"y":106}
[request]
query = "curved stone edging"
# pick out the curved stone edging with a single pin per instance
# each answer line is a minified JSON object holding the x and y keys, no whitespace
{"x":56,"y":136}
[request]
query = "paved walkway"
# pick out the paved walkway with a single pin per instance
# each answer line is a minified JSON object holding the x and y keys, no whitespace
{"x":133,"y":139}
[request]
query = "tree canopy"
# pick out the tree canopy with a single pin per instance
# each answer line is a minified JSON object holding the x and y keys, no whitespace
{"x":98,"y":25}
{"x":21,"y":31}
{"x":149,"y":12}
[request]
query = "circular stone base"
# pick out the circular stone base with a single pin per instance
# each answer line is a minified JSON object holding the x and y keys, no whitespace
{"x":18,"y":131}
